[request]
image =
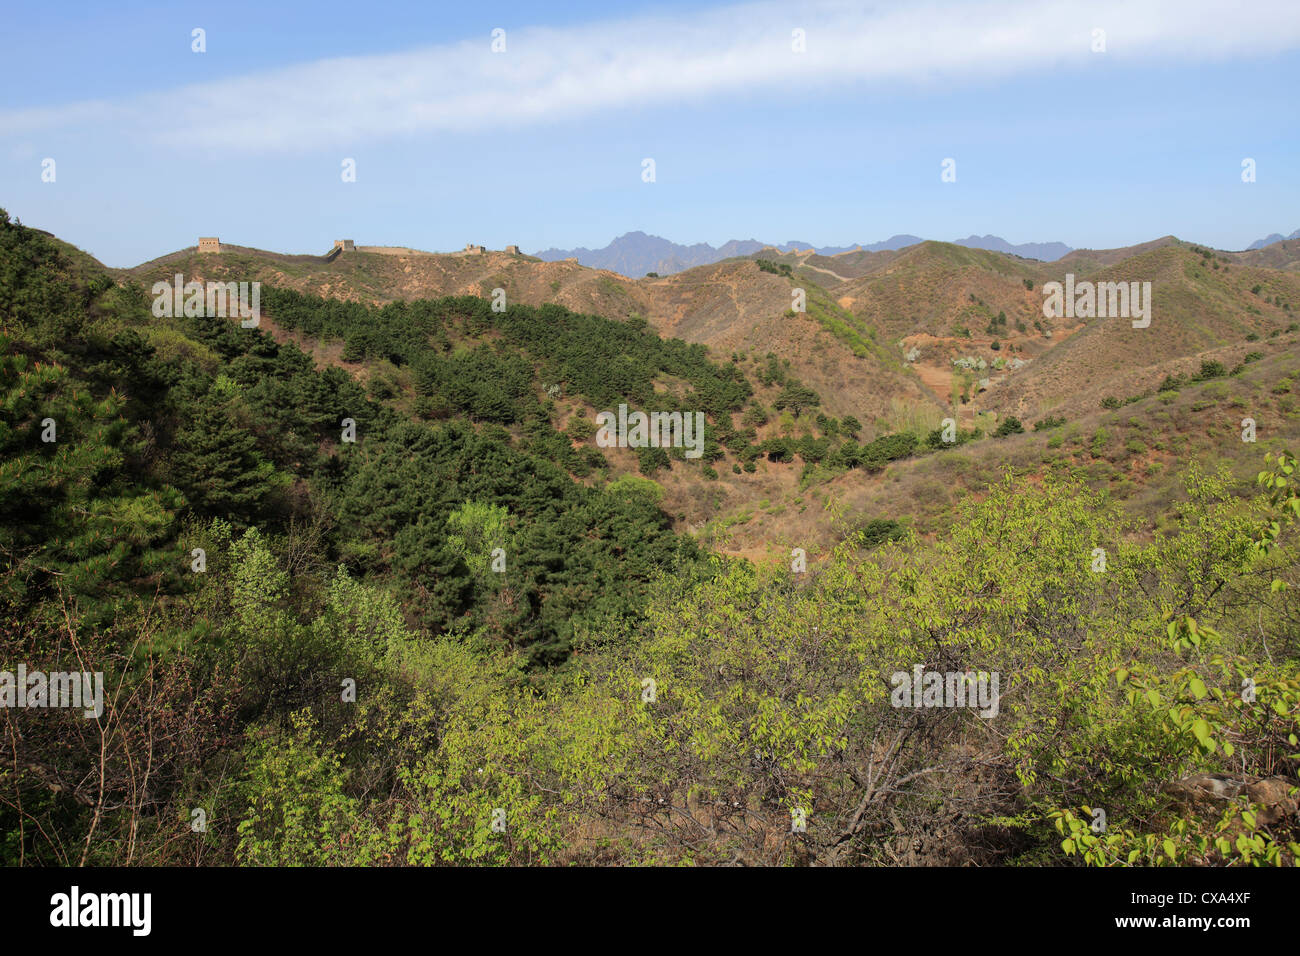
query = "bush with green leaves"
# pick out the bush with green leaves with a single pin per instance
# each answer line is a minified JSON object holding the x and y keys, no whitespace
{"x":1210,"y":369}
{"x":1008,"y":426}
{"x":879,"y":530}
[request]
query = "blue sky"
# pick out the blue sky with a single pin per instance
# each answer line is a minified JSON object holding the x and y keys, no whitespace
{"x":542,"y":145}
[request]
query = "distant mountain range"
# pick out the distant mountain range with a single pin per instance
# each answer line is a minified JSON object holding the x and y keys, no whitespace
{"x":1261,"y":243}
{"x":636,"y":253}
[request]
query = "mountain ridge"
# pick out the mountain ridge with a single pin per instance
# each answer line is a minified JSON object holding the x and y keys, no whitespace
{"x":637,"y":253}
{"x":1272,"y":238}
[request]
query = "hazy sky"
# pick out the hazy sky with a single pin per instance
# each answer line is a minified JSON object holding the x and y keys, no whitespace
{"x":543,"y":144}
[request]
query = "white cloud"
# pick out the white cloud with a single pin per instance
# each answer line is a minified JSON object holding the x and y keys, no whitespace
{"x":548,"y":74}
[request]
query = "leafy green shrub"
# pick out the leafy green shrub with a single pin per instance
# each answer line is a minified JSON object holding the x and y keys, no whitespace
{"x":776,"y":268}
{"x":934,"y":440}
{"x":778,"y":449}
{"x":888,"y":448}
{"x":1209,"y":369}
{"x":1008,"y":426}
{"x":650,"y":460}
{"x":879,"y":530}
{"x":796,"y":396}
{"x":296,"y":808}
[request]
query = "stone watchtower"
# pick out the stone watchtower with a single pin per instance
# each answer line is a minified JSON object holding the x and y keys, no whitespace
{"x":512,"y":250}
{"x":345,"y":245}
{"x":212,"y":244}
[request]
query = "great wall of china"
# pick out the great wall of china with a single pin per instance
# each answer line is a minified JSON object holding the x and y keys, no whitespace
{"x":211,"y":245}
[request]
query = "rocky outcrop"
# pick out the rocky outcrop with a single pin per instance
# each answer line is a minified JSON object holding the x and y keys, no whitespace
{"x":1212,"y":791}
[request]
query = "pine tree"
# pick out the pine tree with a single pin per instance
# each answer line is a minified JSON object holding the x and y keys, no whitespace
{"x":218,"y":467}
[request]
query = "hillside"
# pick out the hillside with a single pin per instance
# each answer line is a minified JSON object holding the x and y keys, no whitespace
{"x":879,"y":341}
{"x":728,"y":307}
{"x":1279,"y":255}
{"x":368,"y":582}
{"x":939,"y":303}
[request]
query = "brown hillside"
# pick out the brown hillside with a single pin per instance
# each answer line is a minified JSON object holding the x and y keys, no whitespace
{"x":883,"y":328}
